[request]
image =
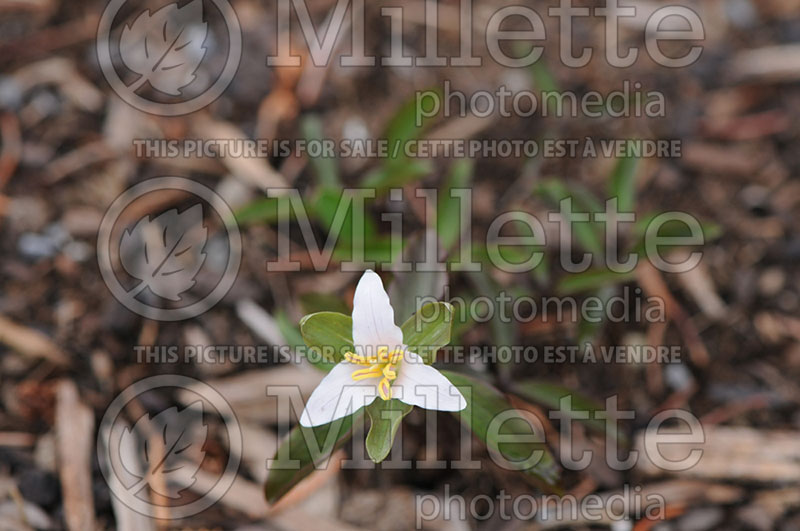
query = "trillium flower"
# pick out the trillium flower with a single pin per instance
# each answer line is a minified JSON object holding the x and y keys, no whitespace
{"x":381,"y":368}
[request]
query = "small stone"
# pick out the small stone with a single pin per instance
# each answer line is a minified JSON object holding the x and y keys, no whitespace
{"x":78,"y":251}
{"x":741,"y":13}
{"x":36,"y":247}
{"x":771,"y":281}
{"x":10,"y":93}
{"x":678,"y":377}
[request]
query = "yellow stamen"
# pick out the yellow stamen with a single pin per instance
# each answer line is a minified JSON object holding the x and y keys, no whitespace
{"x":381,"y":364}
{"x":389,"y":371}
{"x":362,"y":374}
{"x":385,"y":389}
{"x":359,"y":359}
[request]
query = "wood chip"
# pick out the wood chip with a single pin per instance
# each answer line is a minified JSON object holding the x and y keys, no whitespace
{"x":769,"y":64}
{"x":62,"y":73}
{"x":262,"y":324}
{"x":79,"y":159}
{"x":768,"y":506}
{"x":298,"y":520}
{"x":731,"y":453}
{"x":17,"y":439}
{"x":258,"y":445}
{"x":243,"y":496}
{"x":74,"y":446}
{"x":727,"y":161}
{"x":679,"y":493}
{"x":246,"y":392}
{"x":30,"y":342}
{"x":698,"y":284}
{"x":254,"y":171}
{"x":126,"y":518}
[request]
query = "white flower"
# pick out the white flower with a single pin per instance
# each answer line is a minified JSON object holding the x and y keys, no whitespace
{"x":382,"y":366}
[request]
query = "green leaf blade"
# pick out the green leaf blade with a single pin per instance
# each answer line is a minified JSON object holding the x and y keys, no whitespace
{"x":328,"y":335}
{"x":623,"y":183}
{"x":302,"y":451}
{"x":484,"y":405}
{"x":550,"y":395}
{"x":428,"y":330}
{"x":385,"y":417}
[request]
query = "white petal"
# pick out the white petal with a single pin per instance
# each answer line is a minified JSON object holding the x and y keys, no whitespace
{"x":373,"y":316}
{"x":337,"y":396}
{"x":422,"y":385}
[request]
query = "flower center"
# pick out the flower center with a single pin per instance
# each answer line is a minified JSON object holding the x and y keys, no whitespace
{"x":382,"y":365}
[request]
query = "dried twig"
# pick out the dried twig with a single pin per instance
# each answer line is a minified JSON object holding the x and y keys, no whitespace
{"x":12,"y":147}
{"x":652,"y":283}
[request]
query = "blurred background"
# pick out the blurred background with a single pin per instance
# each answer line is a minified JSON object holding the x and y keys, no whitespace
{"x":68,"y":346}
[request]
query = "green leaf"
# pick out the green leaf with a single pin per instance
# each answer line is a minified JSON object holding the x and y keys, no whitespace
{"x":327,"y":204}
{"x":550,"y":395}
{"x":398,"y":169}
{"x":397,"y":173}
{"x":428,"y":330}
{"x":377,"y":249}
{"x":325,"y":169}
{"x":543,"y":77}
{"x":448,"y":213}
{"x":671,"y":229}
{"x":302,"y":451}
{"x":623,"y":183}
{"x":515,"y":254}
{"x":385,"y":417}
{"x":264,"y":210}
{"x":591,"y":279}
{"x":403,"y":125}
{"x":588,"y":233}
{"x":485,"y":405}
{"x":328,"y":336}
{"x":545,"y":82}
